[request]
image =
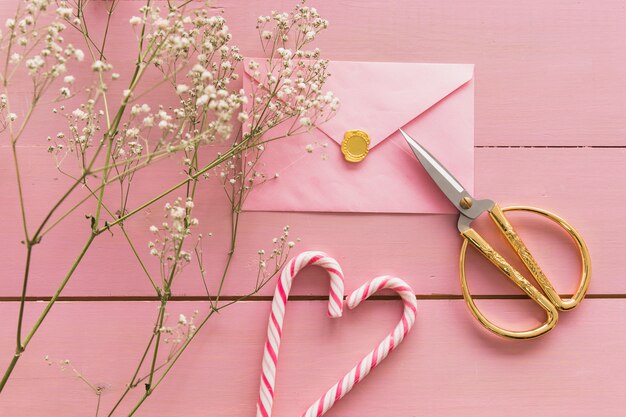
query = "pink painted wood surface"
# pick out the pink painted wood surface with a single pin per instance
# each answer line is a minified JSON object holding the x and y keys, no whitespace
{"x":420,"y":248}
{"x":446,"y":366}
{"x":547,"y":74}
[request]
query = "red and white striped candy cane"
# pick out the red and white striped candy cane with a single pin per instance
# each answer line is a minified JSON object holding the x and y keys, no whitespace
{"x":275,"y":325}
{"x":376,"y":356}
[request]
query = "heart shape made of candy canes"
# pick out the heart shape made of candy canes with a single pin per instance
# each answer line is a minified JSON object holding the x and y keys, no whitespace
{"x":335,"y":309}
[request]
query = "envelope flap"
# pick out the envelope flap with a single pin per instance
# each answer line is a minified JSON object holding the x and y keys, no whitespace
{"x":381,"y":97}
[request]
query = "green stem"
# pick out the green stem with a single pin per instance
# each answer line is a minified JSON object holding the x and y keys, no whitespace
{"x":9,"y":370}
{"x":234,"y":222}
{"x":19,"y":189}
{"x":173,"y":188}
{"x":167,"y":285}
{"x":99,"y":394}
{"x":130,"y":243}
{"x":22,"y":346}
{"x":106,"y":29}
{"x":171,"y":364}
{"x":152,"y":386}
{"x":184,"y":346}
{"x":143,"y":266}
{"x":59,"y":290}
{"x":20,"y":316}
{"x":157,"y":332}
{"x":132,"y":382}
{"x":67,"y":193}
{"x":108,"y":138}
{"x":43,"y":315}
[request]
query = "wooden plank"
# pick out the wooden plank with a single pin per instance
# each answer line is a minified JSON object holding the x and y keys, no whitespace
{"x":446,"y":366}
{"x":546,"y":73}
{"x":583,"y":185}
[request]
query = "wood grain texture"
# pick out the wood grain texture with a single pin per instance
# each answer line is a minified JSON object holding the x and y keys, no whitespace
{"x":446,"y":365}
{"x":422,"y":249}
{"x":547,"y":73}
{"x":549,"y":99}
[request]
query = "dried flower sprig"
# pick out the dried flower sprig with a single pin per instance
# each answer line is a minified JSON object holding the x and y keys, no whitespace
{"x":169,"y":237}
{"x":66,"y":364}
{"x":112,"y":140}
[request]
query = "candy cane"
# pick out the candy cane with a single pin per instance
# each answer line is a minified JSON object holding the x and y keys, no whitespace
{"x":275,"y":325}
{"x":376,"y":356}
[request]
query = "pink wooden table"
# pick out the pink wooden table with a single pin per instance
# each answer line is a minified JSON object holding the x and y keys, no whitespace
{"x":550,"y":132}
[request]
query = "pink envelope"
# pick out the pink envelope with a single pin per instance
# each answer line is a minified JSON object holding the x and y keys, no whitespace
{"x":434,"y":103}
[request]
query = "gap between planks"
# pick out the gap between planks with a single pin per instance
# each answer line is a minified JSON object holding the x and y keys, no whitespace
{"x":293,"y":297}
{"x":549,"y":146}
{"x":475,"y":146}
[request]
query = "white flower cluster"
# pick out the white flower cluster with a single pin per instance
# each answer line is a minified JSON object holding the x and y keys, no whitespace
{"x":271,"y":264}
{"x":290,"y":84}
{"x":286,"y":88}
{"x":84,"y":125}
{"x":191,"y":46}
{"x":281,"y":247}
{"x":43,"y":54}
{"x":5,"y":118}
{"x":306,"y":21}
{"x":203,"y":40}
{"x":182,"y":331}
{"x":170,"y":236}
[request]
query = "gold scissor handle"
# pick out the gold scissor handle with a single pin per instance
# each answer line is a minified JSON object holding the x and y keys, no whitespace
{"x":549,"y":302}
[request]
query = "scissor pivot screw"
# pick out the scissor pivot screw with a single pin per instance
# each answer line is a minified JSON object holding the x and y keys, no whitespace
{"x":466,"y":202}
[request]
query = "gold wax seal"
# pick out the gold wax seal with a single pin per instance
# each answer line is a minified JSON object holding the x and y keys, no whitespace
{"x":355,"y":145}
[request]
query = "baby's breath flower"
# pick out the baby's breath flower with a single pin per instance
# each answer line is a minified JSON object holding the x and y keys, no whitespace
{"x":64,"y":12}
{"x":177,"y":212}
{"x":79,"y":114}
{"x":242,"y":117}
{"x":98,"y":66}
{"x":34,"y":64}
{"x":79,"y":55}
{"x":202,"y":100}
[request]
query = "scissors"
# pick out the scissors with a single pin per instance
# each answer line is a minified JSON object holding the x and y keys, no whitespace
{"x":469,"y":208}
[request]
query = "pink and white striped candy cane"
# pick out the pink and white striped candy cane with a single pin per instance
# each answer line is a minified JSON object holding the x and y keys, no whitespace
{"x":376,"y":356}
{"x":275,"y":325}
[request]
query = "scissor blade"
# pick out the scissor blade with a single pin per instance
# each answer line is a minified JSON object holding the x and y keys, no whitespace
{"x":444,"y":180}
